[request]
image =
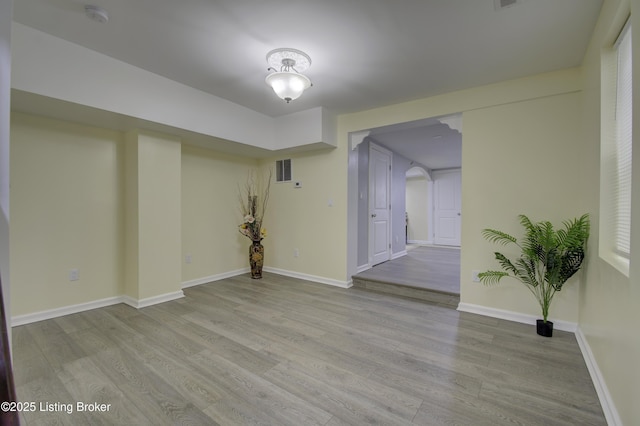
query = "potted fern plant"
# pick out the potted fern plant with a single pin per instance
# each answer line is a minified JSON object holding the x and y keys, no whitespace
{"x":548,"y":258}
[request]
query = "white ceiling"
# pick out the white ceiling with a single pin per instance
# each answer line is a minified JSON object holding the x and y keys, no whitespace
{"x":365,"y":53}
{"x":430,"y":142}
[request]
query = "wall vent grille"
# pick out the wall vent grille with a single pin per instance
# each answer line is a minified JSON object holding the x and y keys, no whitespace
{"x":283,"y":170}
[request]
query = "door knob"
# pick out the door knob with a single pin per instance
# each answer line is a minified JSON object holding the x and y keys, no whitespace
{"x":373,"y":215}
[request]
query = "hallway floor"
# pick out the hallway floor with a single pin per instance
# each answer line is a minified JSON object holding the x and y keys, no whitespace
{"x":426,"y":272}
{"x":432,"y":267}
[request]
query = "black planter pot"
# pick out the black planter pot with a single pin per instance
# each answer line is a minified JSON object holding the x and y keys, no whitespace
{"x":544,"y":328}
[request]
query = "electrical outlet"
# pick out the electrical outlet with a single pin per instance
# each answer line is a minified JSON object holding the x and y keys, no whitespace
{"x":74,"y":275}
{"x":188,"y":258}
{"x":474,"y":276}
{"x":296,"y":252}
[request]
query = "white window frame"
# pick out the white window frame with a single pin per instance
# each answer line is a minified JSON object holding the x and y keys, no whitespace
{"x":615,"y":153}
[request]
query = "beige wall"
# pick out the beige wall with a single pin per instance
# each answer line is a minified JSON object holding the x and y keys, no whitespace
{"x":124,"y":209}
{"x":417,"y":209}
{"x":158,"y":216}
{"x":610,"y":301}
{"x":210,"y":213}
{"x":524,"y":157}
{"x":67,"y":213}
{"x":131,"y":194}
{"x":496,"y":119}
{"x":311,"y":219}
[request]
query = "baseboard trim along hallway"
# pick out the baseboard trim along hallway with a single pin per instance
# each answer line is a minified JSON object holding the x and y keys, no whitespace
{"x":514,"y":316}
{"x":150,"y":301}
{"x":65,"y":310}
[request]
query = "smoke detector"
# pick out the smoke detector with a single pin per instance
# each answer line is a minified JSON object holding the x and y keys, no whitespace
{"x":96,"y":13}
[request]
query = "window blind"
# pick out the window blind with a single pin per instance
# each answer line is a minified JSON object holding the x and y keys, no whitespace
{"x":623,"y":142}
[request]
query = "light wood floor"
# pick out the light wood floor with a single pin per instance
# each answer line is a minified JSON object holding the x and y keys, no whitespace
{"x":281,"y":351}
{"x":431,"y":268}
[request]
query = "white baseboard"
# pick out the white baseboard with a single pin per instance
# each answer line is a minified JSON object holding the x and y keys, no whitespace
{"x":608,"y":407}
{"x":216,"y":277}
{"x":362,"y":268}
{"x":514,"y":316}
{"x":81,"y":307}
{"x":143,"y":303}
{"x":366,"y":266}
{"x":65,"y":310}
{"x":307,"y":277}
{"x":398,"y":254}
{"x":149,"y":301}
{"x":420,"y":242}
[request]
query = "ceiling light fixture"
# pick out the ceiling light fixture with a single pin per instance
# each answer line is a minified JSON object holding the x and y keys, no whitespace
{"x":96,"y":13}
{"x":286,"y":80}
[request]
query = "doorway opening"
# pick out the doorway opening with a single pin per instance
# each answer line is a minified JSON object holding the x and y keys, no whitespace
{"x":422,"y":238}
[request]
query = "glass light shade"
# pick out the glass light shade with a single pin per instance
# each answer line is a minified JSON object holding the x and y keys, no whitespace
{"x":288,"y":85}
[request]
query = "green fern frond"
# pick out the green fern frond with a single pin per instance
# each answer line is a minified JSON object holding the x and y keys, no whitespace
{"x":526,"y":222}
{"x":526,"y":271}
{"x":491,"y":277}
{"x":547,"y":236}
{"x":506,"y":263}
{"x":565,"y":239}
{"x":571,"y":262}
{"x":498,"y":237}
{"x":576,"y":232}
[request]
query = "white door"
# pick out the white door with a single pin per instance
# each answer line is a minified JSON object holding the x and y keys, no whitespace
{"x":379,"y":204}
{"x":447,"y":185}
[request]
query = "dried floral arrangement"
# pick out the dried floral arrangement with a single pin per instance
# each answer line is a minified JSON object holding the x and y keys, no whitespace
{"x":253,"y":198}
